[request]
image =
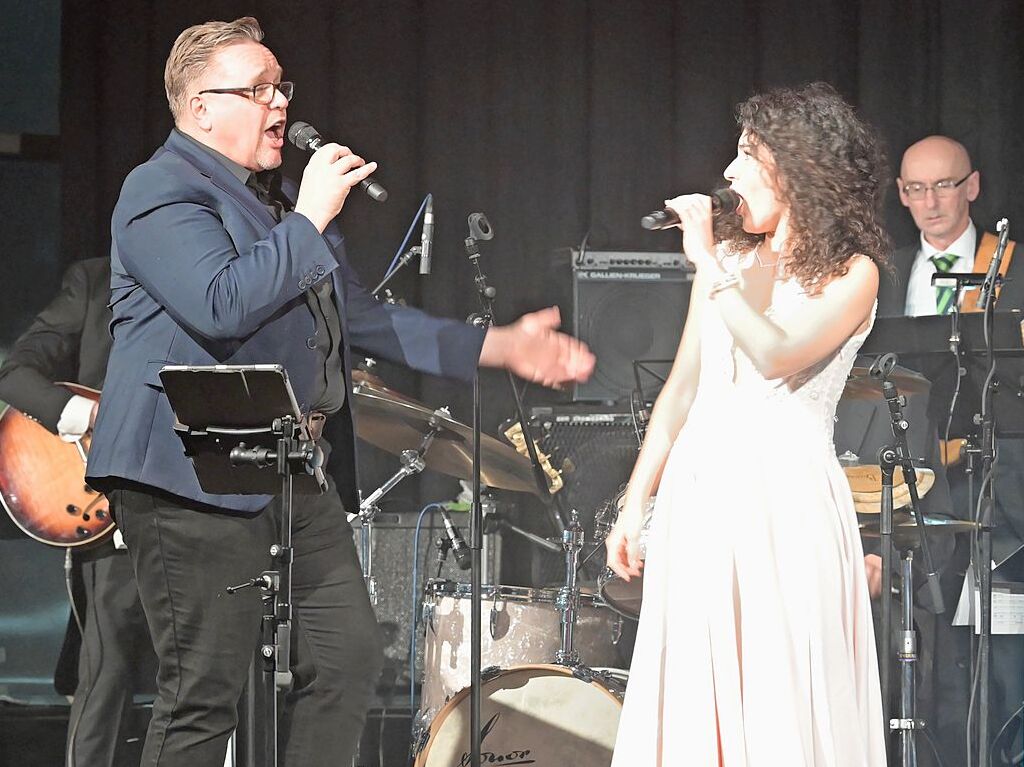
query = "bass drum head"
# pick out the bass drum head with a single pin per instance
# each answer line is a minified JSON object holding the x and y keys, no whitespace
{"x":541,"y":715}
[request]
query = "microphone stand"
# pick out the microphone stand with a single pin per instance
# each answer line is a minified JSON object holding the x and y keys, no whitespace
{"x":483,"y":319}
{"x":888,"y":457}
{"x":986,"y":501}
{"x":981,"y":549}
{"x":480,"y":230}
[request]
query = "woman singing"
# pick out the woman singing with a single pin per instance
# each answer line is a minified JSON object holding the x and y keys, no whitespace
{"x":755,"y":645}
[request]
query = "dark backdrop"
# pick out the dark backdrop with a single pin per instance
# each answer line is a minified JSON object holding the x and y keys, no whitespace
{"x":554,"y":117}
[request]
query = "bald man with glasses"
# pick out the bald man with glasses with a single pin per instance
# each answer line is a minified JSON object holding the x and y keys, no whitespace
{"x":937,"y":184}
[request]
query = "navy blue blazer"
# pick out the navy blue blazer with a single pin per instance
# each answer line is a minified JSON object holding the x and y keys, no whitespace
{"x":202,"y":274}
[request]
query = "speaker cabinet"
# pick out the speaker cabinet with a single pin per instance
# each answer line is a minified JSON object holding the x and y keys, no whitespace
{"x":595,"y":447}
{"x":627,"y":308}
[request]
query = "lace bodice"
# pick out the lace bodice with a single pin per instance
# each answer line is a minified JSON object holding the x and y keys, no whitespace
{"x":806,"y":400}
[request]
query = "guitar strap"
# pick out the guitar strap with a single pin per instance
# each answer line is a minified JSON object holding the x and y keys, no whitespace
{"x":986,"y":250}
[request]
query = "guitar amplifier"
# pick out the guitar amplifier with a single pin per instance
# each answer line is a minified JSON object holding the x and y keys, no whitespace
{"x":626,"y":307}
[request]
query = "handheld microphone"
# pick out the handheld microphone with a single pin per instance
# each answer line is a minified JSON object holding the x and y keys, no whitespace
{"x":988,"y":288}
{"x":722,"y":201}
{"x":459,"y":547}
{"x":427,"y":237}
{"x":305,"y":137}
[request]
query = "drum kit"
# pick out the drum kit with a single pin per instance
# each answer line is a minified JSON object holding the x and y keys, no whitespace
{"x":551,"y":692}
{"x":551,"y":689}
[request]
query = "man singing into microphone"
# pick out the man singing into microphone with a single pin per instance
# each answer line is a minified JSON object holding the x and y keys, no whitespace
{"x":215,"y":260}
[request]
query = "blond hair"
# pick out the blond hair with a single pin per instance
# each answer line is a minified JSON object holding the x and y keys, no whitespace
{"x":192,"y":51}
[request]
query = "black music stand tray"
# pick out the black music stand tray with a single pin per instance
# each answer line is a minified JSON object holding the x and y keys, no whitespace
{"x":925,"y":344}
{"x":235,"y":421}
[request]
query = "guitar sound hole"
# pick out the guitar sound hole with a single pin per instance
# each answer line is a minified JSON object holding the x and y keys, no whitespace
{"x":72,"y":509}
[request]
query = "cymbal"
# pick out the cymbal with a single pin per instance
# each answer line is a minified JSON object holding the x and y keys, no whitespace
{"x":866,"y":487}
{"x":904,"y":528}
{"x":861,"y":385}
{"x":394,"y":422}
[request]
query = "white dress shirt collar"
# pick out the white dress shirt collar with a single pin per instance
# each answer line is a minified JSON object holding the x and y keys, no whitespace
{"x":920,"y":292}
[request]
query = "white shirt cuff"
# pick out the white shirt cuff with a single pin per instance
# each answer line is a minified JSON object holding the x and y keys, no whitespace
{"x":74,"y":419}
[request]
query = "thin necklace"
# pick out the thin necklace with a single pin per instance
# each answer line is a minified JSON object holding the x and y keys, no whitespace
{"x":757,"y":255}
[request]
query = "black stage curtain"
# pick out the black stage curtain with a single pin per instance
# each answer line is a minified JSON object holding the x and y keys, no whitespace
{"x":554,"y":118}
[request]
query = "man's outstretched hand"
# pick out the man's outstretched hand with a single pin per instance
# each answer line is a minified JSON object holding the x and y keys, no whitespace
{"x":533,"y":349}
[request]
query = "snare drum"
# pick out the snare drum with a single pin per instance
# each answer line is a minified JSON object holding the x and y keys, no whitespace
{"x":520,"y":626}
{"x":538,"y":714}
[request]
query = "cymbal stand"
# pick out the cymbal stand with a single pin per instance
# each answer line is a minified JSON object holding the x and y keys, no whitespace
{"x":412,"y":464}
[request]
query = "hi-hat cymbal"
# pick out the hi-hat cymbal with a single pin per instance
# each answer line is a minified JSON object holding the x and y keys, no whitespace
{"x":904,"y":528}
{"x":866,"y":487}
{"x":861,"y":385}
{"x":395,"y":423}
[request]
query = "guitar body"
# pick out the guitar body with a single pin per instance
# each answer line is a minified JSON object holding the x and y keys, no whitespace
{"x":42,"y":482}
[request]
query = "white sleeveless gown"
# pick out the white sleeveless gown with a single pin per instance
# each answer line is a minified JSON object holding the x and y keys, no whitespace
{"x":755,"y":646}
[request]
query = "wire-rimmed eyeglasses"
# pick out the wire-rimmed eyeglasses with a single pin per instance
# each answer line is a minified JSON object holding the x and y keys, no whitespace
{"x":916,"y":190}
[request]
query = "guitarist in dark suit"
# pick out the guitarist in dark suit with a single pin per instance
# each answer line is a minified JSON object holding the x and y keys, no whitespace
{"x":69,"y":341}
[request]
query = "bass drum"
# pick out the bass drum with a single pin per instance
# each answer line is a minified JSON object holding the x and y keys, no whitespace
{"x":540,"y":714}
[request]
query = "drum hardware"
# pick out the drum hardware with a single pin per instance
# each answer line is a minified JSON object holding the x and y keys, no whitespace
{"x":569,"y":594}
{"x":412,"y":463}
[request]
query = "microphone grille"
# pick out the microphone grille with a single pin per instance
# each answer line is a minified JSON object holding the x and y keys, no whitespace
{"x":301,"y":134}
{"x":724,"y":201}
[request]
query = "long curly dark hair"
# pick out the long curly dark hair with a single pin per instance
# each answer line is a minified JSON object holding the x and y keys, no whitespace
{"x":829,"y":168}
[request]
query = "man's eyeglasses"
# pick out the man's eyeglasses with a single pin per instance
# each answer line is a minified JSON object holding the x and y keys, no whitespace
{"x":915,"y":190}
{"x":262,"y":93}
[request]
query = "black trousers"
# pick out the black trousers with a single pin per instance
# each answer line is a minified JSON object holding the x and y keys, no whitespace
{"x":115,"y":649}
{"x":184,"y":557}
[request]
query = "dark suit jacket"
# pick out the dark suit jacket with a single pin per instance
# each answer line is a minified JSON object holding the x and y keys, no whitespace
{"x":202,"y":274}
{"x":892,"y":289}
{"x":68,"y":341}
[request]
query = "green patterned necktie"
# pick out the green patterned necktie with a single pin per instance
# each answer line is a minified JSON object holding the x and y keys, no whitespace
{"x":944,"y":294}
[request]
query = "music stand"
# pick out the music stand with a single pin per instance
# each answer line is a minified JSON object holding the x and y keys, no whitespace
{"x":234,"y":421}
